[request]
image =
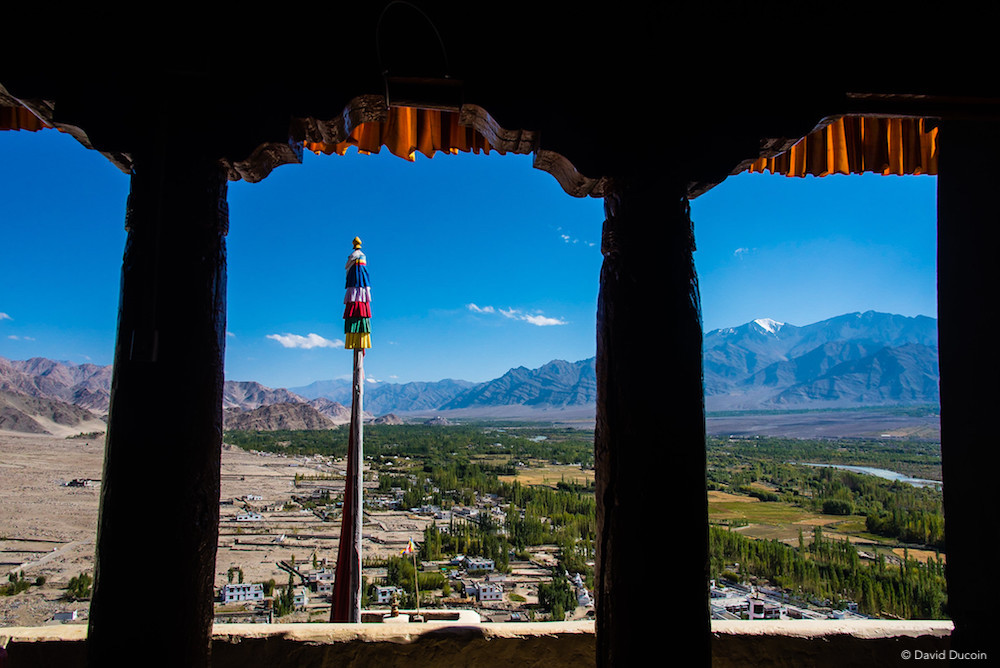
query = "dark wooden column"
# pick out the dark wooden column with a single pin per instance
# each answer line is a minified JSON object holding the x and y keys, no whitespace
{"x":652,"y":507}
{"x":968,"y":222}
{"x":159,"y":511}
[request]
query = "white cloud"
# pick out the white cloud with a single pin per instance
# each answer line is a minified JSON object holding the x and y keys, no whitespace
{"x":15,"y":337}
{"x":477,"y":309}
{"x":228,"y":333}
{"x":4,"y":316}
{"x":740,"y":252}
{"x":536,"y":319}
{"x":306,"y":342}
{"x":542,"y":321}
{"x":569,"y":239}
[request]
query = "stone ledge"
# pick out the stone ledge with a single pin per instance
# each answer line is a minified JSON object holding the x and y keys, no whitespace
{"x":869,"y":629}
{"x":826,"y":643}
{"x":502,"y":645}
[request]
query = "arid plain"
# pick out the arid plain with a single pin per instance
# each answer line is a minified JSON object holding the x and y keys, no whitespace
{"x":48,"y":528}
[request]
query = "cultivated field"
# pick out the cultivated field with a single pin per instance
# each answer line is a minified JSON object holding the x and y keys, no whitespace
{"x":550,"y":475}
{"x":776,"y":520}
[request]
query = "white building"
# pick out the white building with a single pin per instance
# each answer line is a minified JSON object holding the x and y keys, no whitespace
{"x":489,"y":591}
{"x":300,"y":597}
{"x":249,"y":517}
{"x":321,"y":575}
{"x":479,"y":564}
{"x":384,"y":594}
{"x":245,"y":591}
{"x":763,"y":609}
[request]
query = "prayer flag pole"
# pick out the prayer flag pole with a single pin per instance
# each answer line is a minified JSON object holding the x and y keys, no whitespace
{"x":357,"y":337}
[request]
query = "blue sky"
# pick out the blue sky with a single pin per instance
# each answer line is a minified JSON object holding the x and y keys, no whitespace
{"x":478,"y":263}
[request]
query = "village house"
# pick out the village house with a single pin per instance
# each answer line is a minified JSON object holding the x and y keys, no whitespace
{"x":68,"y":616}
{"x":488,"y":591}
{"x":320,"y":575}
{"x":384,"y":594}
{"x":762,"y":609}
{"x":243,"y":591}
{"x":479,"y":564}
{"x":83,"y":482}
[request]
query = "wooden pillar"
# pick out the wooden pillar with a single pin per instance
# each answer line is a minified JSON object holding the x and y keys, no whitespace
{"x":347,"y":585}
{"x":652,"y":507}
{"x":968,"y":222}
{"x":159,"y":510}
{"x":357,"y":466}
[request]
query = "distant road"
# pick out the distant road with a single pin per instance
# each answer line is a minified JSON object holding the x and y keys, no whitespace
{"x":58,"y":552}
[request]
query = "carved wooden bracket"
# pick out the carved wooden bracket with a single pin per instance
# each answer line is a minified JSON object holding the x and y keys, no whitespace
{"x":44,"y":110}
{"x":360,"y":110}
{"x":372,"y":108}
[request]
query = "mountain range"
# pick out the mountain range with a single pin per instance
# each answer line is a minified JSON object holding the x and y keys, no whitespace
{"x":856,"y":359}
{"x":557,"y":384}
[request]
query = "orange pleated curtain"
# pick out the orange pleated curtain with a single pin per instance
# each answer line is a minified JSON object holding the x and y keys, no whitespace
{"x":858,"y":144}
{"x":407,"y":131}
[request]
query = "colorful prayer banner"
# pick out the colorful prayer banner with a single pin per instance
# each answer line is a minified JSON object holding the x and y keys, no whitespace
{"x":357,"y":301}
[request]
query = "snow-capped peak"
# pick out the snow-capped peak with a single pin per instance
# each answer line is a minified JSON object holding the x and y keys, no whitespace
{"x":769,"y":325}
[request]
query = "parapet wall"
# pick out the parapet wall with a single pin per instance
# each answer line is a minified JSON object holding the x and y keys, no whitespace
{"x":509,"y":645}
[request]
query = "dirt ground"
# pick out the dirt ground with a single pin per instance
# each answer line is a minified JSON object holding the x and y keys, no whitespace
{"x":47,"y":528}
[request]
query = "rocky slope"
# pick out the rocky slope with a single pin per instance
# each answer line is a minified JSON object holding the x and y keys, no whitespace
{"x":276,"y":417}
{"x":40,"y":415}
{"x":251,"y":394}
{"x":87,"y":385}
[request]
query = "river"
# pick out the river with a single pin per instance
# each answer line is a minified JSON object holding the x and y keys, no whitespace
{"x":881,"y":473}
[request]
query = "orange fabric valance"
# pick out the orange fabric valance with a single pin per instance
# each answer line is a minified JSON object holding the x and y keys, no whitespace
{"x":857,"y":144}
{"x":408,"y":130}
{"x":19,"y":118}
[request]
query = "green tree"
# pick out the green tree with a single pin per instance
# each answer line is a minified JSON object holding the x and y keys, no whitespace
{"x":557,"y":595}
{"x":16,"y":583}
{"x":79,"y":587}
